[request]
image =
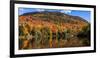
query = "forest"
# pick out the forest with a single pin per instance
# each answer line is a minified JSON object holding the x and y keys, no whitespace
{"x":52,"y":30}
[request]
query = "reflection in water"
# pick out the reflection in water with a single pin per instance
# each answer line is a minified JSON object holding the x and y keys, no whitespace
{"x":46,"y":39}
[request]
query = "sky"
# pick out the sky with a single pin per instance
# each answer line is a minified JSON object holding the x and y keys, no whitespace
{"x":81,"y":13}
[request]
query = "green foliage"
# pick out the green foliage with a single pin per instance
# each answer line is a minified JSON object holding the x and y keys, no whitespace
{"x":85,"y":42}
{"x":21,"y":32}
{"x":85,"y":32}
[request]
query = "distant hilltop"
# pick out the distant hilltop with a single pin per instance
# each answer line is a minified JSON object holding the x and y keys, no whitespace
{"x":63,"y":17}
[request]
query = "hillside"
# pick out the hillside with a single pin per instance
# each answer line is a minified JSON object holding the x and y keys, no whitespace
{"x":52,"y":29}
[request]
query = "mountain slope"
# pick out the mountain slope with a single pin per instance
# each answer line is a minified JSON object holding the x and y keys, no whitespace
{"x":51,"y":28}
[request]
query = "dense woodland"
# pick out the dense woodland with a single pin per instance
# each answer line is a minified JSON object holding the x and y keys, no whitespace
{"x":52,"y":30}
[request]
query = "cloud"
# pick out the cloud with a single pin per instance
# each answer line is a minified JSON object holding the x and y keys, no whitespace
{"x":21,"y":9}
{"x":66,"y":11}
{"x":40,"y":10}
